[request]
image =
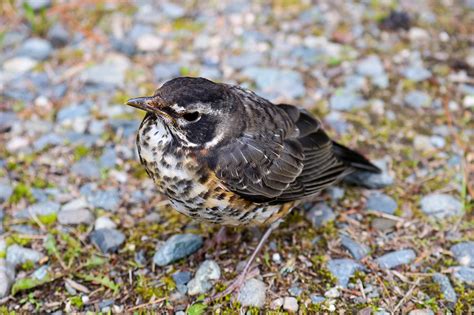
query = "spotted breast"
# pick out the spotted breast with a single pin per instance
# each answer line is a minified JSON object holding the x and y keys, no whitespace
{"x":192,"y":188}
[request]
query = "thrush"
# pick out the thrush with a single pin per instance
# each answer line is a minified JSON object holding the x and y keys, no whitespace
{"x":224,"y":155}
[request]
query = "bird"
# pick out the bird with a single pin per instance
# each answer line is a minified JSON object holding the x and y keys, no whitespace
{"x":224,"y":155}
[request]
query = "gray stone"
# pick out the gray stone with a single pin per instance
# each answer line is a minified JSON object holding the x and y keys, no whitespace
{"x":75,"y":204}
{"x":7,"y":276}
{"x":110,"y":73}
{"x":87,"y":168}
{"x":396,"y":258}
{"x":207,"y":273}
{"x":464,"y":253}
{"x":108,"y":240}
{"x":383,"y":224}
{"x":295,"y":291}
{"x":79,"y":216}
{"x":108,"y":158}
{"x":371,"y":67}
{"x":36,"y":48}
{"x":416,"y":73}
{"x":421,"y":312}
{"x":104,"y":223}
{"x":252,"y":293}
{"x":317,"y":299}
{"x":464,"y":274}
{"x":441,"y":206}
{"x":343,"y":269}
{"x":19,"y":65}
{"x":72,"y":112}
{"x":177,"y":247}
{"x":24,"y":229}
{"x":290,"y":304}
{"x":45,"y":208}
{"x":41,"y":272}
{"x":17,"y":255}
{"x":372,"y":180}
{"x":272,"y":82}
{"x":108,"y":199}
{"x":181,"y":277}
{"x":38,"y":5}
{"x":58,"y":35}
{"x":6,"y":191}
{"x":49,"y":139}
{"x":172,"y":10}
{"x":166,"y":71}
{"x":320,"y":214}
{"x":418,"y":99}
{"x":336,"y":193}
{"x":244,"y":60}
{"x":446,"y":288}
{"x":358,"y":251}
{"x":346,"y":100}
{"x":335,"y":120}
{"x":381,"y":202}
{"x":438,"y":141}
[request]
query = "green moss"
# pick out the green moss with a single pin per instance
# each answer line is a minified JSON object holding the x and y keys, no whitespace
{"x":28,"y":265}
{"x":21,"y":191}
{"x":21,"y":240}
{"x":81,"y":151}
{"x":187,"y":24}
{"x":48,"y":219}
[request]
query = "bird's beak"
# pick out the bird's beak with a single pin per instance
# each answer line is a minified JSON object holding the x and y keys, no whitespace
{"x":144,"y":103}
{"x":152,"y":104}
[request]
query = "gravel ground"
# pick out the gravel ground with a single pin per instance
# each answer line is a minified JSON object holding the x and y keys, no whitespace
{"x":83,"y":228}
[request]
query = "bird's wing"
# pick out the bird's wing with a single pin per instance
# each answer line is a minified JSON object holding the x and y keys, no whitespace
{"x":322,"y":167}
{"x":263,"y":162}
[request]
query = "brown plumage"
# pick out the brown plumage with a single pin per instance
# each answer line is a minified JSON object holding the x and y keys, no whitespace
{"x":224,"y":155}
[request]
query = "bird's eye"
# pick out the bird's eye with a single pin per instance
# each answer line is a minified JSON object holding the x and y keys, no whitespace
{"x":192,"y":116}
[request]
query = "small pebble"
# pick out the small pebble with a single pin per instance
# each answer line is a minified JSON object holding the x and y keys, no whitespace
{"x":276,"y":304}
{"x":207,"y":273}
{"x":440,"y":206}
{"x":343,"y":269}
{"x":36,"y":48}
{"x":421,"y":312}
{"x":253,"y":293}
{"x":381,"y":202}
{"x":446,"y":288}
{"x":176,"y":247}
{"x":79,"y":216}
{"x":7,"y":277}
{"x":17,"y":255}
{"x":108,"y":240}
{"x":290,"y":304}
{"x":181,"y":277}
{"x":332,"y":293}
{"x":358,"y":251}
{"x":396,"y":258}
{"x":320,"y":214}
{"x":295,"y":291}
{"x":464,"y":274}
{"x":418,"y":99}
{"x":317,"y":299}
{"x":464,"y":253}
{"x":104,"y":223}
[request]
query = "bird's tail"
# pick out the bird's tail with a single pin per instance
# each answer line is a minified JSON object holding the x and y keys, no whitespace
{"x":354,"y":159}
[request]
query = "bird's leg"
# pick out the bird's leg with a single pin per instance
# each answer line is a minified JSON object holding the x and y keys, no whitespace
{"x":239,"y":281}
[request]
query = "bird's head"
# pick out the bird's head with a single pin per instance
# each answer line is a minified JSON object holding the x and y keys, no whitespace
{"x":199,"y":112}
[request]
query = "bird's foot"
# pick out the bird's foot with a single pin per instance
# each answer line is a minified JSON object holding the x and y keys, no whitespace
{"x":234,"y":286}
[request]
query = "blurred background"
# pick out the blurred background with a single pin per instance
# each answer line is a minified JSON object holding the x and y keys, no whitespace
{"x":394,"y":79}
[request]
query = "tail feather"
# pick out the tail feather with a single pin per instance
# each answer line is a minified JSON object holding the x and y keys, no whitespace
{"x":354,"y":159}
